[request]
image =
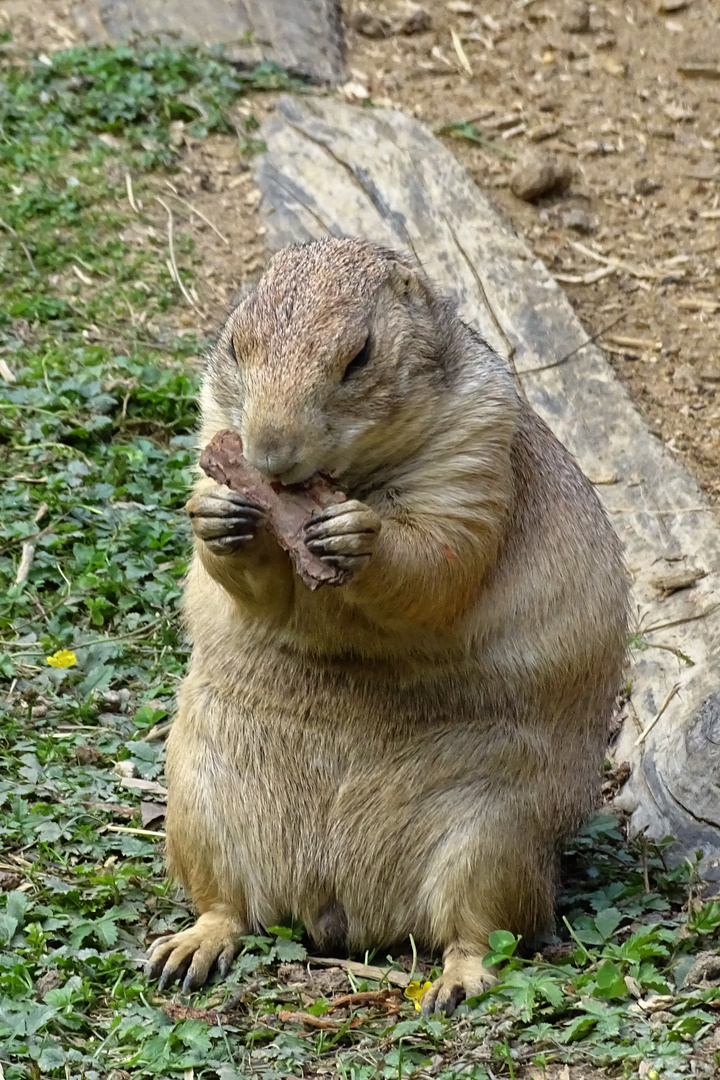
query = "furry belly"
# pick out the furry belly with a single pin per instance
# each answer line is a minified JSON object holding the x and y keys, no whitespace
{"x":310,"y":813}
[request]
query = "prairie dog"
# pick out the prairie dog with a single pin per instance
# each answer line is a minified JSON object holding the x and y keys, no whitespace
{"x":403,"y":754}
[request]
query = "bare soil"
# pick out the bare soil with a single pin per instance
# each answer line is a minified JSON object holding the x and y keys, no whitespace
{"x":627,"y":92}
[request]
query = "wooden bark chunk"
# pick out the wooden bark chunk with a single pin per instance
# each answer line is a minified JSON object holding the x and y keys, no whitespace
{"x":288,"y":509}
{"x":331,"y":168}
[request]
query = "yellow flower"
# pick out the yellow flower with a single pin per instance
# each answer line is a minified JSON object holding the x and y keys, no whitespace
{"x":415,"y":991}
{"x":63,"y":658}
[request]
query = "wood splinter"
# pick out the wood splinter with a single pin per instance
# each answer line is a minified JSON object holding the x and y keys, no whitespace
{"x":288,"y":509}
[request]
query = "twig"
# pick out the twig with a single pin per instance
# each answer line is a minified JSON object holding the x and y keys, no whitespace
{"x":568,"y":356}
{"x":136,"y":832}
{"x":25,"y":248}
{"x":586,"y":279}
{"x":628,"y":268}
{"x":130,"y":195}
{"x":26,"y":561}
{"x":6,"y":372}
{"x":200,"y":214}
{"x":646,"y":731}
{"x":662,"y":513}
{"x":171,"y":245}
{"x":159,"y":731}
{"x":363,"y":971}
{"x":680,"y":622}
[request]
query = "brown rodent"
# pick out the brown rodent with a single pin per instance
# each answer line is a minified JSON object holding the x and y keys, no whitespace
{"x":405,"y":753}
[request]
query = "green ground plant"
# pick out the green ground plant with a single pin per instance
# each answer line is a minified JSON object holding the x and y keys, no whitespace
{"x":96,"y":453}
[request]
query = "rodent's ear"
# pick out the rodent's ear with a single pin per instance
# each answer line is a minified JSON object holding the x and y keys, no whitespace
{"x":407,"y":282}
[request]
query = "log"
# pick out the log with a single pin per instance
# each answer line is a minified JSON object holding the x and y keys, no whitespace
{"x":304,"y":36}
{"x":331,"y":168}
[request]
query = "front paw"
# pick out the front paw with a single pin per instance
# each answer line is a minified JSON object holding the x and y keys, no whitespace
{"x":343,"y":535}
{"x":464,"y":976}
{"x":226,"y":522}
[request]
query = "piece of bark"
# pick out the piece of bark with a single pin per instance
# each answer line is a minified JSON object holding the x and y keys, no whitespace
{"x":288,"y":509}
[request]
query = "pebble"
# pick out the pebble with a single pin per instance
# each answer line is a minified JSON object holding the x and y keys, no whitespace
{"x":369,"y":25}
{"x":645,"y":186}
{"x":684,"y":378}
{"x":536,"y":176}
{"x":576,"y":17}
{"x":578,"y":220}
{"x":418,"y":21}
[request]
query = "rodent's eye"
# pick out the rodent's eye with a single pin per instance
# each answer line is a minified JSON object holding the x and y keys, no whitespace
{"x":231,"y":350}
{"x":358,"y":361}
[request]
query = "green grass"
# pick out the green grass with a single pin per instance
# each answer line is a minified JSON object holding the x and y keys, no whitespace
{"x":96,"y":439}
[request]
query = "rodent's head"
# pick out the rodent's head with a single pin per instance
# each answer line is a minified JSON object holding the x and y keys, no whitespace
{"x":333,"y":364}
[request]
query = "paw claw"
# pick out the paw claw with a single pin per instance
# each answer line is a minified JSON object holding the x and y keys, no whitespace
{"x":189,"y":955}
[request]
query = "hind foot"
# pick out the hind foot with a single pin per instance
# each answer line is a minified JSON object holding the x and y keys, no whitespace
{"x":463,"y":977}
{"x":191,"y":954}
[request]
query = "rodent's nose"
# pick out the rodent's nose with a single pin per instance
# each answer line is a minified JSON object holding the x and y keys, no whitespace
{"x":275,"y":462}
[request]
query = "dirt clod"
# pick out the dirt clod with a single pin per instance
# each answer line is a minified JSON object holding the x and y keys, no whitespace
{"x":369,"y":25}
{"x":576,"y":17}
{"x":579,"y":220}
{"x":536,"y":176}
{"x":418,"y":21}
{"x":51,"y":980}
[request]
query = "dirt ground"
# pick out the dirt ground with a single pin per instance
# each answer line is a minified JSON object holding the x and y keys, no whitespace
{"x":628,"y":93}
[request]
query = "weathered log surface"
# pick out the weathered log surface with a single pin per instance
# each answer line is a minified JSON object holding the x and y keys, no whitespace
{"x":304,"y":36}
{"x":331,"y":168}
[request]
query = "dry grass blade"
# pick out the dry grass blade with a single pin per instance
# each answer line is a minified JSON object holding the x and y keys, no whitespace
{"x":646,"y":731}
{"x":135,"y":832}
{"x":175,"y":273}
{"x":199,"y":214}
{"x":26,"y":561}
{"x":6,"y":373}
{"x":28,"y":256}
{"x":363,"y":971}
{"x":130,"y":193}
{"x":460,"y":52}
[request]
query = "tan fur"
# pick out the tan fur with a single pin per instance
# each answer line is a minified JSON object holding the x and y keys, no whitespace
{"x":402,"y":755}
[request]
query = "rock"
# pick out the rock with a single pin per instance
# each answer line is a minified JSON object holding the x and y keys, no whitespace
{"x":578,"y":220}
{"x":418,"y":21}
{"x":665,"y":7}
{"x":369,"y":25}
{"x":49,"y":981}
{"x":645,"y":186}
{"x":684,"y":378}
{"x":87,"y":755}
{"x":535,"y":176}
{"x":124,"y":769}
{"x":710,"y":372}
{"x":354,"y":91}
{"x":576,"y":17}
{"x":10,"y":880}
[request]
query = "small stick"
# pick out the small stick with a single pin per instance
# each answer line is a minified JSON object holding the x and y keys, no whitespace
{"x":568,"y":356}
{"x":646,"y":731}
{"x":171,"y":245}
{"x":159,"y":731}
{"x":363,"y":971}
{"x":136,"y":832}
{"x":26,"y":561}
{"x":6,"y":372}
{"x":25,"y":248}
{"x":130,"y":195}
{"x":200,"y":214}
